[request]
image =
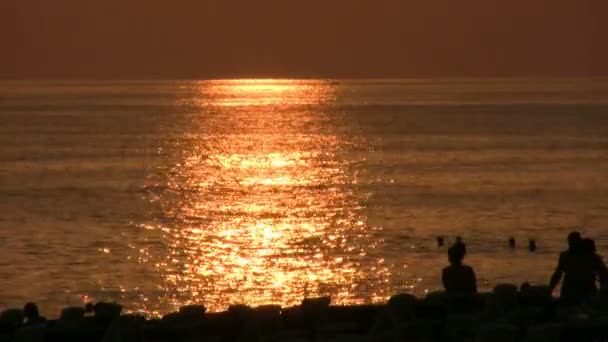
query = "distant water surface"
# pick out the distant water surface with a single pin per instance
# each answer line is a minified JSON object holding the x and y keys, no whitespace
{"x":160,"y":194}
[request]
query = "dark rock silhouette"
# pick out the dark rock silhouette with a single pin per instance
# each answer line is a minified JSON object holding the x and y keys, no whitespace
{"x":505,"y":314}
{"x":107,"y":311}
{"x":193,"y":310}
{"x":89,"y":308}
{"x":535,"y":296}
{"x":73,"y":313}
{"x":10,"y":321}
{"x":457,"y":277}
{"x":502,"y":302}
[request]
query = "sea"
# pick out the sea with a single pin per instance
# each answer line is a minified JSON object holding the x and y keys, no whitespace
{"x":158,"y":194}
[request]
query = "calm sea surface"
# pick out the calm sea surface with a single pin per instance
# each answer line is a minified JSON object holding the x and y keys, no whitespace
{"x":160,"y":194}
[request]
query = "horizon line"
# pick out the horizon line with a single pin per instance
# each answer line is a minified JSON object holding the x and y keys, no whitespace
{"x":274,"y":78}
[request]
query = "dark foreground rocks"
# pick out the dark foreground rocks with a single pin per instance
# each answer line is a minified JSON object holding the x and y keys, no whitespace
{"x":506,"y":314}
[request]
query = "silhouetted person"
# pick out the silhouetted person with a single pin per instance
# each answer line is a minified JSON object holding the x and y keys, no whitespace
{"x":458,"y":278}
{"x":588,"y":246}
{"x":581,"y":268}
{"x":440,"y":241}
{"x":31,"y":314}
{"x":532,"y":245}
{"x":574,"y":245}
{"x":599,"y":268}
{"x":512,"y":242}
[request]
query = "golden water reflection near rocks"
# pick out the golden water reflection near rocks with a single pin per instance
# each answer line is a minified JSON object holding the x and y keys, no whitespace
{"x":261,"y":211}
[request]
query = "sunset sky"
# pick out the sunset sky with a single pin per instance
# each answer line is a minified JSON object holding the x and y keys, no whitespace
{"x":308,"y":38}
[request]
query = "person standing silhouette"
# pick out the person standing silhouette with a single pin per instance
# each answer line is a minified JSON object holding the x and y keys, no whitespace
{"x":580,"y":267}
{"x":574,"y":245}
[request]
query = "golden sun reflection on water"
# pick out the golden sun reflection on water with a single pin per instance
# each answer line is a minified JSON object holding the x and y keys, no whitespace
{"x":262,"y":211}
{"x":264,"y":92}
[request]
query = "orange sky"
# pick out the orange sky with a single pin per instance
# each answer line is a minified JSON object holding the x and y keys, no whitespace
{"x":308,"y":38}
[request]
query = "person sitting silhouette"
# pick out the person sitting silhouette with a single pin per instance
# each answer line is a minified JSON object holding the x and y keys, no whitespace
{"x":32,"y":315}
{"x":458,"y":278}
{"x":580,"y":267}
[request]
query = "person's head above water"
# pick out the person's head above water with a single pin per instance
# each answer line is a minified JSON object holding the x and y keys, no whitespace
{"x":457,"y":252}
{"x":574,"y":241}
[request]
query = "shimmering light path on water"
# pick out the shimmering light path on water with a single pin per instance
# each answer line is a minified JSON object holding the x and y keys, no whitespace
{"x":270,"y":216}
{"x":160,"y":194}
